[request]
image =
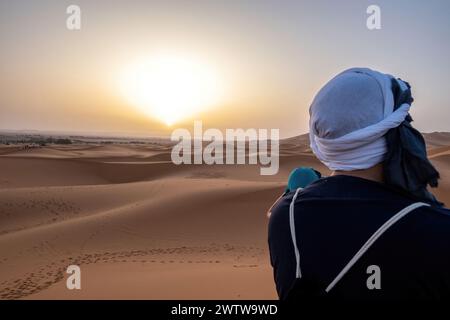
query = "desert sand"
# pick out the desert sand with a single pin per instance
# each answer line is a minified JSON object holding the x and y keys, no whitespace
{"x":139,"y":226}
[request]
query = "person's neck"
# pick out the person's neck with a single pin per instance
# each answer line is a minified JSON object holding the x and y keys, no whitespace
{"x":374,"y":173}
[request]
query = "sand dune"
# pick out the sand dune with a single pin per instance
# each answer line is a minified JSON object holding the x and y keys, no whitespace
{"x":141,"y":227}
{"x":153,"y":222}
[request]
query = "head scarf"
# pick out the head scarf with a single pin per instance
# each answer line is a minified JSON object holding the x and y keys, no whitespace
{"x":361,"y":118}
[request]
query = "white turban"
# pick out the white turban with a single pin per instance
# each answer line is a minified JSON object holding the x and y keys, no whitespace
{"x":349,"y":117}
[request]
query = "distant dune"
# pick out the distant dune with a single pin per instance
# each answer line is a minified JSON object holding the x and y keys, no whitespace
{"x":141,"y":227}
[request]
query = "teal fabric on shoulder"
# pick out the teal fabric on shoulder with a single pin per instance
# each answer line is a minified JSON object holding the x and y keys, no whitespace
{"x":302,"y":177}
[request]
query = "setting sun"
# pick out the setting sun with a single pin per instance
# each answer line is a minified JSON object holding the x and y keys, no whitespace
{"x":171,"y":88}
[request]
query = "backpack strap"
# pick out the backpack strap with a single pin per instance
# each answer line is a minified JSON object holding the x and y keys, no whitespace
{"x":389,"y":223}
{"x":298,"y":272}
{"x":374,"y":238}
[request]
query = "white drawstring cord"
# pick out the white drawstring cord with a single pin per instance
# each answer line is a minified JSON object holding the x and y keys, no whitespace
{"x":298,"y":273}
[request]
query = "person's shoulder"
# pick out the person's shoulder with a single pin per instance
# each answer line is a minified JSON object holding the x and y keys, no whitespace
{"x":431,"y":227}
{"x":280,"y":211}
{"x":278,"y":226}
{"x":435,"y":214}
{"x":282,"y":206}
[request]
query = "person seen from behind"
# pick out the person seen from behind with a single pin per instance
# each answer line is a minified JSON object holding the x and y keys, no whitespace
{"x":371,"y":230}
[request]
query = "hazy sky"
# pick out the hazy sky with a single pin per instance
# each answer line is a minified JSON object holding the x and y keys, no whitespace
{"x":271,"y":56}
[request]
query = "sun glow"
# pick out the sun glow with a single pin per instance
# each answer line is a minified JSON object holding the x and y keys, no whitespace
{"x":171,"y":88}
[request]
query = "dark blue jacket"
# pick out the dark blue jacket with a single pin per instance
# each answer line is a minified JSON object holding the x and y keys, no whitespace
{"x":335,"y":216}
